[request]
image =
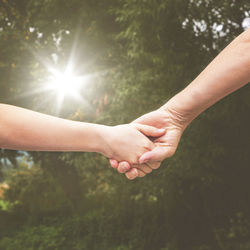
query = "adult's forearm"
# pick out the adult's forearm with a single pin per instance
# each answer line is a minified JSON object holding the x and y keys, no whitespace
{"x":27,"y":130}
{"x":229,"y":71}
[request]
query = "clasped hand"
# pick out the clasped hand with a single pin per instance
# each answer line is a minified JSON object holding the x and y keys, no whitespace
{"x":157,"y":137}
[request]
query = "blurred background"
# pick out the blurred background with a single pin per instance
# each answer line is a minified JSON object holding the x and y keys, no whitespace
{"x":109,"y":62}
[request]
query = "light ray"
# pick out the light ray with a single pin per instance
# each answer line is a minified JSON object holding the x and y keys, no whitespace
{"x":65,"y":83}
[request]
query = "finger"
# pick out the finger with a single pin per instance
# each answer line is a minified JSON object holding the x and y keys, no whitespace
{"x":113,"y":163}
{"x":144,"y":168}
{"x":123,"y":167}
{"x":157,"y":154}
{"x":150,"y":131}
{"x":154,"y":164}
{"x":141,"y":173}
{"x":132,"y":174}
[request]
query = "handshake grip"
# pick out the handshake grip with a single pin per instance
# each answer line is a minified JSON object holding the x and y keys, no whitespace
{"x":164,"y":143}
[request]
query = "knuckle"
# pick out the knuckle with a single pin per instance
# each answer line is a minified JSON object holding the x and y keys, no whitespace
{"x":146,"y":169}
{"x":121,"y":170}
{"x":155,"y":165}
{"x":170,"y":152}
{"x":124,"y":168}
{"x":130,"y":176}
{"x":149,"y":170}
{"x":141,"y":174}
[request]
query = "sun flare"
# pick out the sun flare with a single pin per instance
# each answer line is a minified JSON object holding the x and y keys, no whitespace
{"x":64,"y":83}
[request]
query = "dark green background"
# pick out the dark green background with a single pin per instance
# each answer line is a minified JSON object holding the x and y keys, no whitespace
{"x":144,"y":52}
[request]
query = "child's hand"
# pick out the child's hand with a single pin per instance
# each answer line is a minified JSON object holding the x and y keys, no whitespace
{"x":128,"y":142}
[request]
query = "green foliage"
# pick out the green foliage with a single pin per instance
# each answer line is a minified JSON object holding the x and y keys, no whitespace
{"x":41,"y":237}
{"x":4,"y":205}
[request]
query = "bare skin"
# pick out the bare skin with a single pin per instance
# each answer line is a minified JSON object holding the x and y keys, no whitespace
{"x":229,"y":71}
{"x":23,"y":129}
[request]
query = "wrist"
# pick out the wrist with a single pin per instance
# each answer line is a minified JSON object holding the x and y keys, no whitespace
{"x":92,"y":137}
{"x":180,"y":114}
{"x":102,"y":137}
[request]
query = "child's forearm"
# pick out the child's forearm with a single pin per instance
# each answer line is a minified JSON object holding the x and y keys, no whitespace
{"x":229,"y":71}
{"x":27,"y":130}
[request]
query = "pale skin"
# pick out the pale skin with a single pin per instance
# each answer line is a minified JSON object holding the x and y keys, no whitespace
{"x":229,"y":71}
{"x":27,"y":130}
{"x":23,"y":129}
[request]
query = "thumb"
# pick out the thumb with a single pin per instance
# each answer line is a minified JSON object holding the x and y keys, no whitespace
{"x":159,"y":153}
{"x":150,"y":131}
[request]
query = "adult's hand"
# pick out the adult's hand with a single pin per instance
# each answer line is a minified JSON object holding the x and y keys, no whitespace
{"x":174,"y":123}
{"x":228,"y":72}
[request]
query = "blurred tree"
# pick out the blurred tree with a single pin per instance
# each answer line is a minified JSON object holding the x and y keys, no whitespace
{"x":140,"y":53}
